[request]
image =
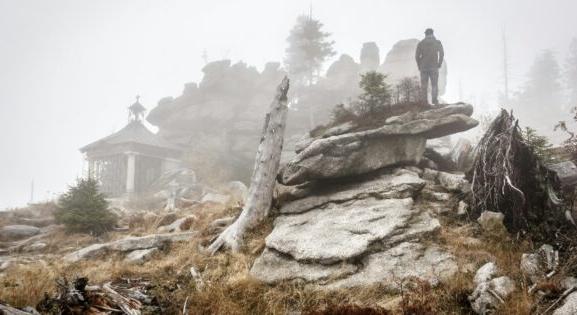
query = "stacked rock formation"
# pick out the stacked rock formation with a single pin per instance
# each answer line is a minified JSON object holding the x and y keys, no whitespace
{"x":357,"y":209}
{"x":220,"y":117}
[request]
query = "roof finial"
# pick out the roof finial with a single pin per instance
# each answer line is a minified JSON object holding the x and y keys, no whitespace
{"x":136,"y":110}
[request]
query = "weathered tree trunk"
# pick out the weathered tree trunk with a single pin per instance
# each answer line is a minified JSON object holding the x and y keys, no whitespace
{"x":266,"y":167}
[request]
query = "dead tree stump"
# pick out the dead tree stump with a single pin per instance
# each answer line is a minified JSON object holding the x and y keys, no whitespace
{"x":509,"y":177}
{"x":260,"y":192}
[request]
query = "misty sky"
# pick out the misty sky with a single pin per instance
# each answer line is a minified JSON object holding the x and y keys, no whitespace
{"x":69,"y":69}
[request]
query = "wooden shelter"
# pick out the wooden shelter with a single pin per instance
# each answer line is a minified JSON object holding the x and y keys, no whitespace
{"x":129,"y":161}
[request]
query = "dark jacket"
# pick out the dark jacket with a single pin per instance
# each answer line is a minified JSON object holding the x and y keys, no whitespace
{"x":429,"y":54}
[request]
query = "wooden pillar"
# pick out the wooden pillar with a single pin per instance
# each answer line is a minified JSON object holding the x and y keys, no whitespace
{"x":90,"y":174}
{"x":130,"y":173}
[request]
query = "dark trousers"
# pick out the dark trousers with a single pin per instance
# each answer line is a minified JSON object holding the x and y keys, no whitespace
{"x":432,"y":75}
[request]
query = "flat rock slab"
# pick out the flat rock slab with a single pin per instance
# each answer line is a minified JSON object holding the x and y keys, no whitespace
{"x":406,"y":260}
{"x":386,"y":186}
{"x":272,"y":267}
{"x":353,"y":156}
{"x":339,"y":231}
{"x":354,"y":153}
{"x":128,"y":244}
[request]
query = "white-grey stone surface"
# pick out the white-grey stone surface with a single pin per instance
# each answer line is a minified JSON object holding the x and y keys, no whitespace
{"x":128,"y":244}
{"x":140,"y":256}
{"x":17,"y":232}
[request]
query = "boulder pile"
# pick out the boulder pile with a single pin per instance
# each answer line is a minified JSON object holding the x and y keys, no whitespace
{"x":357,"y":207}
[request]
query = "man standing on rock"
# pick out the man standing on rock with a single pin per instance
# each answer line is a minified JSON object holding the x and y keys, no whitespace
{"x":429,"y":56}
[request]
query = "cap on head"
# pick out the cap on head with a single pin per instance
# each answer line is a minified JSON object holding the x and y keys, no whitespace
{"x":429,"y":31}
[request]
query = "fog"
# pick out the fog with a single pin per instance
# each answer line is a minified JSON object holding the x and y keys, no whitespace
{"x":70,"y":69}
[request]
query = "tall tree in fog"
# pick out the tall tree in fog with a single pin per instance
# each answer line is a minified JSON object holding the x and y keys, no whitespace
{"x":308,"y":48}
{"x":571,"y":73}
{"x":539,"y":103}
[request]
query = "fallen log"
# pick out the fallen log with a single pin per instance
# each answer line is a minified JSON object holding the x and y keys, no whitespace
{"x":260,"y":193}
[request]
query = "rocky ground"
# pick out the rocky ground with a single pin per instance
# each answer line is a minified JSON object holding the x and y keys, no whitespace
{"x":363,"y":223}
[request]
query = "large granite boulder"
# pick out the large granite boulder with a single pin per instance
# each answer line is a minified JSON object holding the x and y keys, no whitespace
{"x":400,"y":140}
{"x":339,"y":231}
{"x":356,"y":233}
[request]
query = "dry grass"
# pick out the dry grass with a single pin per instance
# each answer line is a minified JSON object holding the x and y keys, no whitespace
{"x":228,"y":287}
{"x":504,"y":251}
{"x":26,"y":285}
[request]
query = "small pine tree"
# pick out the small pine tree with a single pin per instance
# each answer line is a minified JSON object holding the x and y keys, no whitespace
{"x":376,"y":93}
{"x":83,"y":209}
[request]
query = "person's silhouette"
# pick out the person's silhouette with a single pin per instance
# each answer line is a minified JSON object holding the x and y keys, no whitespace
{"x":429,"y":57}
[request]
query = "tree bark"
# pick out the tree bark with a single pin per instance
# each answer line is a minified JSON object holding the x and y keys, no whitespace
{"x":263,"y":178}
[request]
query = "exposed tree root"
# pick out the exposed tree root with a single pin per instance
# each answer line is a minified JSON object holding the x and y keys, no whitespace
{"x":507,"y":176}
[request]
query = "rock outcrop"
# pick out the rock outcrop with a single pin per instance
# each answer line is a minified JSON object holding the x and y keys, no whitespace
{"x":355,"y":209}
{"x":357,"y":233}
{"x":400,"y":140}
{"x":370,"y":57}
{"x":220,"y":118}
